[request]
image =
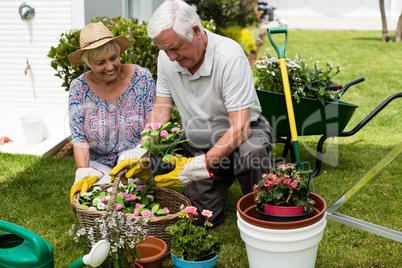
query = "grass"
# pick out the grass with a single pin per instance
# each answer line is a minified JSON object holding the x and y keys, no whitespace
{"x":35,"y":190}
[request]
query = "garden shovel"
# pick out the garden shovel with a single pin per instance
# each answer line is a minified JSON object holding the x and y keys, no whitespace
{"x":289,"y":105}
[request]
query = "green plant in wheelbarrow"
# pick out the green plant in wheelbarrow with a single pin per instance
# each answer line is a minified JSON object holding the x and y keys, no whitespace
{"x":304,"y":80}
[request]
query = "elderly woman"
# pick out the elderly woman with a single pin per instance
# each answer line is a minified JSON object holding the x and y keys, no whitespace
{"x":108,"y":106}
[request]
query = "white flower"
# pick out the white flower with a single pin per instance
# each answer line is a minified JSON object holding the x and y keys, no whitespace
{"x":96,"y":201}
{"x":92,"y":208}
{"x":97,"y":189}
{"x":101,"y":206}
{"x":109,"y":190}
{"x":87,"y":194}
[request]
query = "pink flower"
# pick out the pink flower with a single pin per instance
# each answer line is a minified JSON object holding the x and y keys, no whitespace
{"x":153,"y":215}
{"x":267,"y":183}
{"x":138,"y":205}
{"x":293,"y":184}
{"x":166,"y":210}
{"x":207,"y":213}
{"x":164,"y":133}
{"x":103,"y":200}
{"x":191,"y":210}
{"x":148,"y":126}
{"x":136,"y":213}
{"x":133,"y":197}
{"x":146,"y":213}
{"x":156,"y":125}
{"x":181,"y":207}
{"x":281,"y":166}
{"x":118,"y":206}
{"x":151,"y":197}
{"x":287,"y":181}
{"x":175,"y":129}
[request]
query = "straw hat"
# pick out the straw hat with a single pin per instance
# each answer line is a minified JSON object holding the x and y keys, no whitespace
{"x":95,"y":35}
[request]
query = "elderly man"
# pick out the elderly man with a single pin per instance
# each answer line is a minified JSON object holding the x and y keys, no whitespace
{"x":209,"y":79}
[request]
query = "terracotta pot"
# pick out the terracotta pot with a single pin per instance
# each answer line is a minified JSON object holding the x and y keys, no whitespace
{"x":247,"y":210}
{"x":152,"y":251}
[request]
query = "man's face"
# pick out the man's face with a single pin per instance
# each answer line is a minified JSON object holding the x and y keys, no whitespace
{"x":188,"y":55}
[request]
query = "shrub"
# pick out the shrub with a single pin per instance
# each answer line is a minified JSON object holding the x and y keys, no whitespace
{"x":226,"y":13}
{"x":246,"y":37}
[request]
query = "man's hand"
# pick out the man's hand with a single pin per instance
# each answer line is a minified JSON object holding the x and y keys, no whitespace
{"x":85,"y":177}
{"x":137,"y":168}
{"x":186,"y":171}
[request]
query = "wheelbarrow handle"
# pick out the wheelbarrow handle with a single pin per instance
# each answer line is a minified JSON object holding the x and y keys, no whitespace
{"x":351,"y":83}
{"x":278,"y":30}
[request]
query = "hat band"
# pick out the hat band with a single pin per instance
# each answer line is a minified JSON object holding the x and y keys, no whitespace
{"x":90,"y":43}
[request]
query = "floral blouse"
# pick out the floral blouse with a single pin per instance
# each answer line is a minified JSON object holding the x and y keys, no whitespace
{"x":111,"y":127}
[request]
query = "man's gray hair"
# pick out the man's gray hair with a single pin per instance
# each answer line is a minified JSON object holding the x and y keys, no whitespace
{"x":175,"y":14}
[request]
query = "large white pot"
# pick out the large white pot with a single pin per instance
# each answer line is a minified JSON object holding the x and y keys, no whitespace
{"x":293,"y":248}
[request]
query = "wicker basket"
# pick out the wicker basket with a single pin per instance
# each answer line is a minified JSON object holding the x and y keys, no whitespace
{"x":156,"y":226}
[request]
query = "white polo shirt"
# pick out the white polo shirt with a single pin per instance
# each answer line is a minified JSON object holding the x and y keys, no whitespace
{"x":223,"y":83}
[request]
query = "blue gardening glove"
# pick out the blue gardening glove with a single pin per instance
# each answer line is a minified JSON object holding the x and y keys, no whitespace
{"x":186,"y":171}
{"x":85,"y":177}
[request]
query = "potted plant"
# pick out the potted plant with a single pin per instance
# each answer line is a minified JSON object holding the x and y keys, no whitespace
{"x":285,"y":242}
{"x":284,"y":194}
{"x":123,"y":234}
{"x":313,"y":93}
{"x":162,"y":142}
{"x":192,"y":245}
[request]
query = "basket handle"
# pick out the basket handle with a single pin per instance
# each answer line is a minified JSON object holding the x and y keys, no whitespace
{"x":115,"y":188}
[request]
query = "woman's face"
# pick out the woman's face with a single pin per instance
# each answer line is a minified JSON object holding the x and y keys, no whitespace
{"x":107,"y":67}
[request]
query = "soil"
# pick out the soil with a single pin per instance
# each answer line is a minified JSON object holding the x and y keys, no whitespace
{"x":67,"y":150}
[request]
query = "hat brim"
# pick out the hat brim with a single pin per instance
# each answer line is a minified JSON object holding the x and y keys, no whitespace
{"x":75,"y":58}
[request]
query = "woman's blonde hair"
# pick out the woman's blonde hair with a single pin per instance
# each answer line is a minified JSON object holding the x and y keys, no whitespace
{"x":99,"y":51}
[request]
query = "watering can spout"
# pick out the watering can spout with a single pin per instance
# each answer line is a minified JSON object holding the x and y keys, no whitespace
{"x":95,"y":258}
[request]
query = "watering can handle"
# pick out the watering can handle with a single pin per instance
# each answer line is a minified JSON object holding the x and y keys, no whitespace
{"x":37,"y":242}
{"x":278,"y":30}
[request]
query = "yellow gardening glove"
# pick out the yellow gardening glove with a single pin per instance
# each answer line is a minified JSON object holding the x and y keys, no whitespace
{"x":85,"y":177}
{"x":137,"y":168}
{"x":186,"y":171}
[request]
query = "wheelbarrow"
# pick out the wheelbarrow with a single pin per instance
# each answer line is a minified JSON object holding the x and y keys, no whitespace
{"x":313,"y":118}
{"x":21,"y":248}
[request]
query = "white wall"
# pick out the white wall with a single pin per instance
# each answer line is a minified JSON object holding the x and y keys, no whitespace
{"x":22,"y":40}
{"x":39,"y":91}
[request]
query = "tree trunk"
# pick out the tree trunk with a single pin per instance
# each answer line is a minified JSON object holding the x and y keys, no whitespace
{"x":385,"y":37}
{"x":398,"y":31}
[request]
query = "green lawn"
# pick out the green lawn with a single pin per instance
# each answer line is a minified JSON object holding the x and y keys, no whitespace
{"x":35,"y":190}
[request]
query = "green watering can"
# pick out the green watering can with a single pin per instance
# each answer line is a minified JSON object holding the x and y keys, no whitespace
{"x":21,"y":248}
